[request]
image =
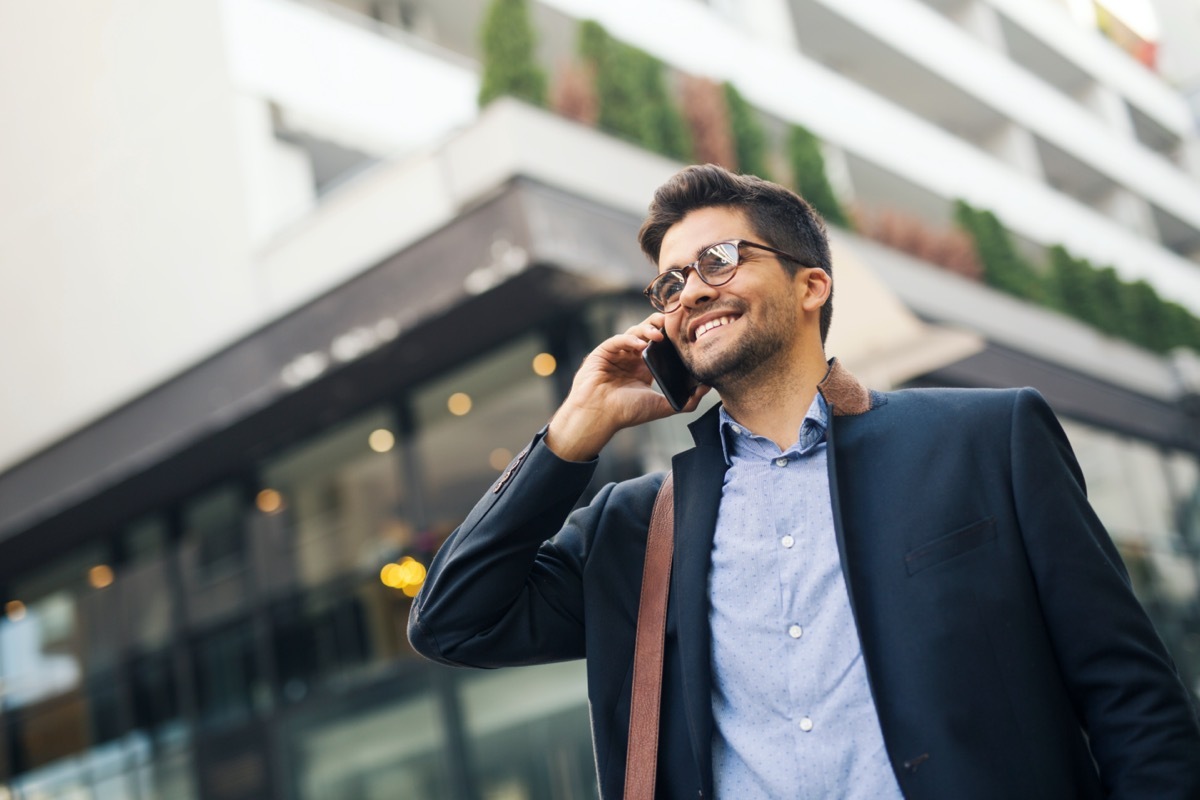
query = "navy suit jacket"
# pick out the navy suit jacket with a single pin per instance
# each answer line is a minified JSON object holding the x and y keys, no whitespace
{"x":1006,"y":653}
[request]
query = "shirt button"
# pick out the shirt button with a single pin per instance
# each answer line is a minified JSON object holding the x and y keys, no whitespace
{"x":806,"y":724}
{"x":787,"y":541}
{"x":795,"y":631}
{"x":781,"y":462}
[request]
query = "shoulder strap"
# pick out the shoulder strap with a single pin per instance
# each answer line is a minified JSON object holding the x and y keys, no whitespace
{"x":641,"y":761}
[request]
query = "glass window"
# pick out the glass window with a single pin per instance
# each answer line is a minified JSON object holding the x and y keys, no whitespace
{"x":42,"y":636}
{"x":127,"y":769}
{"x":143,"y":585}
{"x":212,"y":554}
{"x":155,"y":694}
{"x":1185,"y":486}
{"x":59,"y":648}
{"x":392,"y":750}
{"x":1102,"y":458}
{"x":472,"y":422}
{"x":529,"y":732}
{"x":1148,"y":501}
{"x":332,"y":506}
{"x":1148,"y":489}
{"x":227,"y":675}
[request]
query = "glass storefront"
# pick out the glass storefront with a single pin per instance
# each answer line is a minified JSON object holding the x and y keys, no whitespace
{"x":242,"y":639}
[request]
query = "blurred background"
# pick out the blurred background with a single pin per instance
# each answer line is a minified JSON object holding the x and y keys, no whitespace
{"x":284,"y":285}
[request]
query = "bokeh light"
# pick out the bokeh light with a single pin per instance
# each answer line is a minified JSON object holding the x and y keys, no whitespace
{"x":15,"y":610}
{"x":499,"y":458}
{"x":100,"y":576}
{"x":544,"y":364}
{"x":407,"y":575}
{"x":269,"y":501}
{"x":459,"y":404}
{"x":381,"y":440}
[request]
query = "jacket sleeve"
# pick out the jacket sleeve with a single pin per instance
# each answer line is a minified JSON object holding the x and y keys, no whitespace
{"x":1140,"y":721}
{"x":506,"y":588}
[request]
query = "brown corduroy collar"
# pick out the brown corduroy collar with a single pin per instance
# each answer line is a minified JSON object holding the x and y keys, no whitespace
{"x":845,"y":393}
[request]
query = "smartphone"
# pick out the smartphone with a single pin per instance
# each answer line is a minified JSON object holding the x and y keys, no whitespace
{"x":669,"y":372}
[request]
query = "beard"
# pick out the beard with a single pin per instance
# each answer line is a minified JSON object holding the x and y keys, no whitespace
{"x":757,"y":345}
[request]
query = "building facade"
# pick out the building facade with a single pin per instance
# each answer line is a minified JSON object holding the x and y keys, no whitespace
{"x":285,"y":303}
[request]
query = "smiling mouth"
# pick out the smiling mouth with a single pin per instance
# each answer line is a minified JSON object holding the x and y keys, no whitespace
{"x":713,"y":324}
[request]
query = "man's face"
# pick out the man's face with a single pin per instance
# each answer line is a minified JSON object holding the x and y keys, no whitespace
{"x":725,"y":334}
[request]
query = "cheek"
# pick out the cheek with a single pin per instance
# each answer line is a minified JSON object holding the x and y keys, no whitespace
{"x":673,"y":328}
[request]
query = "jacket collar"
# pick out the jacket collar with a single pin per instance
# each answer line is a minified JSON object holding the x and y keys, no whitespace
{"x":844,"y":394}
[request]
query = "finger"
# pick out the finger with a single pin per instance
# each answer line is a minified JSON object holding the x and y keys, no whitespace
{"x":646,"y":331}
{"x":630,"y":342}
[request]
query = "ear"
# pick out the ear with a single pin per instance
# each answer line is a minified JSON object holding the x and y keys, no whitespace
{"x":817,"y":287}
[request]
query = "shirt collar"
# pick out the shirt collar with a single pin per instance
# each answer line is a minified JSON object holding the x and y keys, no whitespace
{"x":737,"y":440}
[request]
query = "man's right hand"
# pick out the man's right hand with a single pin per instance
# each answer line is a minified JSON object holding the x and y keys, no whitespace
{"x":612,"y":390}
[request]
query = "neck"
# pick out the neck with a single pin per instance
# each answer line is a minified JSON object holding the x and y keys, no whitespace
{"x":773,"y":401}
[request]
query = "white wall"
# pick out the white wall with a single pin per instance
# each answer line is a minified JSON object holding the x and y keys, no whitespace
{"x":122,"y":228}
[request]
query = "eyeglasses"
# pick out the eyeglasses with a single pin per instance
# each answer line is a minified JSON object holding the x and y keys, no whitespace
{"x":716,"y":266}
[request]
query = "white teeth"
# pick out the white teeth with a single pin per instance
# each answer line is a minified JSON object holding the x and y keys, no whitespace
{"x":714,"y":323}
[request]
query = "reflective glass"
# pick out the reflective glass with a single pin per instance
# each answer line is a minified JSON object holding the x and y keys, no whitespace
{"x":228,"y":681}
{"x":1102,"y":457}
{"x":470,"y":425}
{"x":393,"y":750}
{"x":1148,"y":500}
{"x":142,"y":585}
{"x":127,"y":769}
{"x":332,"y":506}
{"x":529,"y":732}
{"x":212,"y":555}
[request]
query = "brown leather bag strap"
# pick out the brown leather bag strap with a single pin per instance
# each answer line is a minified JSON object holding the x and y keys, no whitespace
{"x":641,"y":760}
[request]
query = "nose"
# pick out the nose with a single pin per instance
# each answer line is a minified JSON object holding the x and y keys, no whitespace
{"x":695,"y":291}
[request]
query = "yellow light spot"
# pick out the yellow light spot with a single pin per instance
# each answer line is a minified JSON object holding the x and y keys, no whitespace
{"x":544,"y":364}
{"x":499,"y":458}
{"x":381,"y":440}
{"x":407,"y":575}
{"x":390,"y":575}
{"x":15,"y":610}
{"x":269,"y":501}
{"x":100,"y":576}
{"x":412,"y":572}
{"x":459,"y":404}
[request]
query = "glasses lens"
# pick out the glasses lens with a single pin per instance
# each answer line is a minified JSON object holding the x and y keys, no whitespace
{"x":664,"y":292}
{"x":717,"y":263}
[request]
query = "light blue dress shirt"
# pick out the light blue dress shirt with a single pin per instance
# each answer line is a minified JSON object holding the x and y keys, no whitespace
{"x":792,"y":709}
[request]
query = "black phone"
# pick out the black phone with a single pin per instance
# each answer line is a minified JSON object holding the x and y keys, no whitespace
{"x":670,"y":373}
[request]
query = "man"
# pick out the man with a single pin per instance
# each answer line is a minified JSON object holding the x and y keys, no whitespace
{"x":873,"y":595}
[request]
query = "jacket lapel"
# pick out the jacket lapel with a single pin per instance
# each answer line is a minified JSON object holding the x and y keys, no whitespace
{"x":699,"y":476}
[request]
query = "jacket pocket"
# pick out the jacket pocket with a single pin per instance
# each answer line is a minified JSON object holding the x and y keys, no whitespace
{"x":951,"y":545}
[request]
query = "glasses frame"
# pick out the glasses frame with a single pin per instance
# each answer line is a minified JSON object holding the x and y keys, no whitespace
{"x":682,"y":272}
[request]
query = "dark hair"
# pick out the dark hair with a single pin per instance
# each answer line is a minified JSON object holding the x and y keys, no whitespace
{"x":779,"y":216}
